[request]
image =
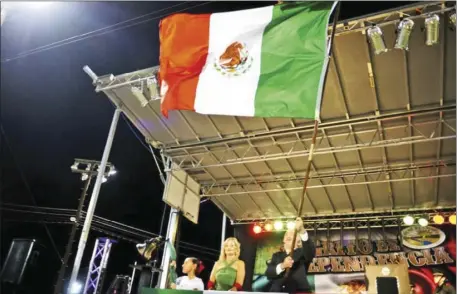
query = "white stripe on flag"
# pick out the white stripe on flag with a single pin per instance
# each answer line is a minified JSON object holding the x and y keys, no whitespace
{"x":229,"y":94}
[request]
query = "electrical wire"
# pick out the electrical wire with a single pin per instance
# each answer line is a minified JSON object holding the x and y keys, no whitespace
{"x":88,"y":35}
{"x":29,"y":190}
{"x":37,"y":207}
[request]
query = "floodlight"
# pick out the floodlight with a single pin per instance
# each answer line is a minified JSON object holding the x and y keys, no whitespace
{"x":432,"y":30}
{"x":278,"y":226}
{"x":268,"y":227}
{"x":76,"y":288}
{"x":290,"y":225}
{"x":438,"y":219}
{"x":376,"y":39}
{"x":257,"y":229}
{"x":153,"y":89}
{"x":452,"y":219}
{"x":404,"y":30}
{"x":423,"y":222}
{"x":138,"y":93}
{"x":408,"y":220}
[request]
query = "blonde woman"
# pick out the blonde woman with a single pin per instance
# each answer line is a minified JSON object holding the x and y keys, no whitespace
{"x":229,"y":271}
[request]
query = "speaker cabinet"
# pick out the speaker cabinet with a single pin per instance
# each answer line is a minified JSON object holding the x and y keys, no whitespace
{"x":21,"y":257}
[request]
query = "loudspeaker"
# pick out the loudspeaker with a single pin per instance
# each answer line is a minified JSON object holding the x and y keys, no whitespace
{"x":21,"y":256}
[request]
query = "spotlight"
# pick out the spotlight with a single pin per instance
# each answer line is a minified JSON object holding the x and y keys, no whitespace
{"x":278,"y":226}
{"x":112,"y":171}
{"x":138,"y":93}
{"x":404,"y":30}
{"x":76,"y":288}
{"x":268,"y":227}
{"x":74,"y":166}
{"x":438,"y":219}
{"x":452,"y":219}
{"x":452,"y":19}
{"x":408,"y":220}
{"x":376,"y":39}
{"x":432,"y":30}
{"x":423,"y":222}
{"x":104,"y":180}
{"x":290,"y":225}
{"x":257,"y":229}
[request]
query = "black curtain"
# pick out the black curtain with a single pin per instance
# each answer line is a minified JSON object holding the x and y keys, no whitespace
{"x":248,"y":251}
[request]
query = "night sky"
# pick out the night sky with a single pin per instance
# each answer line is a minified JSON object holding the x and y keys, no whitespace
{"x":51,"y":115}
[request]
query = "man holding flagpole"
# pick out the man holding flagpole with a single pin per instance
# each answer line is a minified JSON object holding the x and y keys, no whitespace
{"x":294,"y":258}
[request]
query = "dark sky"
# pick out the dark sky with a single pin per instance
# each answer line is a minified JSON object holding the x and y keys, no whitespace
{"x":51,"y":115}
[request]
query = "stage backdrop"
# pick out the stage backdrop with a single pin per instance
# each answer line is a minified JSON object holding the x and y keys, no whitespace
{"x":341,"y":257}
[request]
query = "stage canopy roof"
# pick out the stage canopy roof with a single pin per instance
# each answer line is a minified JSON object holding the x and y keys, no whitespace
{"x":386,"y":141}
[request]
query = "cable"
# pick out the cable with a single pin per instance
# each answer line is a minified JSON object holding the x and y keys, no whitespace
{"x":38,"y":207}
{"x":71,"y":40}
{"x":32,"y":197}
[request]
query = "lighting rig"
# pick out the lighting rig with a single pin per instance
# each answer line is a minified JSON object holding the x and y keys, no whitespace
{"x":423,"y":219}
{"x":89,"y":168}
{"x":404,"y":28}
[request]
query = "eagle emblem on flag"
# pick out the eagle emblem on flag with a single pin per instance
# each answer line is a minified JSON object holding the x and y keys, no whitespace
{"x":234,"y":61}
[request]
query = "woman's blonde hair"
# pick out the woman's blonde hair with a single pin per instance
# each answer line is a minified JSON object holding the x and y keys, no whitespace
{"x":222,"y":256}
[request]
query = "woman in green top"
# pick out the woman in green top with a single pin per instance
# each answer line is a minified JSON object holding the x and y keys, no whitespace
{"x":229,"y":271}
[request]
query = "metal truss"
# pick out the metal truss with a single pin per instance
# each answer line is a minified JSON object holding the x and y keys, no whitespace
{"x":97,"y":266}
{"x":421,"y":170}
{"x":296,"y":147}
{"x":353,"y":220}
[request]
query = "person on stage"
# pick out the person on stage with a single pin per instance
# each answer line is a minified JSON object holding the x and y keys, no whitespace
{"x":229,"y":271}
{"x":303,"y":254}
{"x":192,"y":267}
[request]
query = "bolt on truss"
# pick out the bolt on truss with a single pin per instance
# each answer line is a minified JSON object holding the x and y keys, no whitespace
{"x":97,"y":266}
{"x":329,"y":143}
{"x":361,"y":219}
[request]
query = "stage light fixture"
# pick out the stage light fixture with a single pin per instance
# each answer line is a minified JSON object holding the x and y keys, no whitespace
{"x":74,"y":166}
{"x":257,"y":229}
{"x":376,"y":39}
{"x":138,"y":93}
{"x":278,"y":225}
{"x":104,"y":179}
{"x":268,"y":227}
{"x":153,"y":89}
{"x":112,"y":171}
{"x":452,"y":19}
{"x":404,"y":30}
{"x":423,"y":222}
{"x":452,"y":219}
{"x":76,"y":288}
{"x":438,"y":219}
{"x":408,"y":220}
{"x":432,"y":30}
{"x":290,"y":225}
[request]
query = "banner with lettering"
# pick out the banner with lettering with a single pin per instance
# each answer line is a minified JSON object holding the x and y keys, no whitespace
{"x":341,"y":257}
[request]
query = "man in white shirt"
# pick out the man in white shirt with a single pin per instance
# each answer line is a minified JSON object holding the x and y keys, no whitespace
{"x":303,"y":254}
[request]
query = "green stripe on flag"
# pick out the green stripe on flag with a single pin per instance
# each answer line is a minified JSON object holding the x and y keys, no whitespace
{"x":294,"y":49}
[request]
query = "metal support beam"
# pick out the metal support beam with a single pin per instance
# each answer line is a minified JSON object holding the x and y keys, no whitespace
{"x":97,"y":266}
{"x":170,"y":236}
{"x":94,"y":198}
{"x":223,"y":230}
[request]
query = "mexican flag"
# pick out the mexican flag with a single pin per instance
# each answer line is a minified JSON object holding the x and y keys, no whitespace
{"x":263,"y":62}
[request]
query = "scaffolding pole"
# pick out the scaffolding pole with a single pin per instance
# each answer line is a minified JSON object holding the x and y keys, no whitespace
{"x":94,"y":198}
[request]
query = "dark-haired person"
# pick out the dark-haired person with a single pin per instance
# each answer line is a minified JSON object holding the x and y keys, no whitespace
{"x":442,"y":284}
{"x":192,"y":267}
{"x":302,"y":256}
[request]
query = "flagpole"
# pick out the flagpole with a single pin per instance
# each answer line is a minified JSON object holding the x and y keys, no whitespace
{"x":315,"y":130}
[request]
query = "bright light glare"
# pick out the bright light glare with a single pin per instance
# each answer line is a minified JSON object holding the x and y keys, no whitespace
{"x":76,"y":288}
{"x":438,"y":219}
{"x":290,"y":225}
{"x":268,"y":227}
{"x":423,"y":222}
{"x":104,"y":179}
{"x":257,"y":229}
{"x":408,"y":220}
{"x":112,"y":172}
{"x":278,"y":226}
{"x":452,"y":219}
